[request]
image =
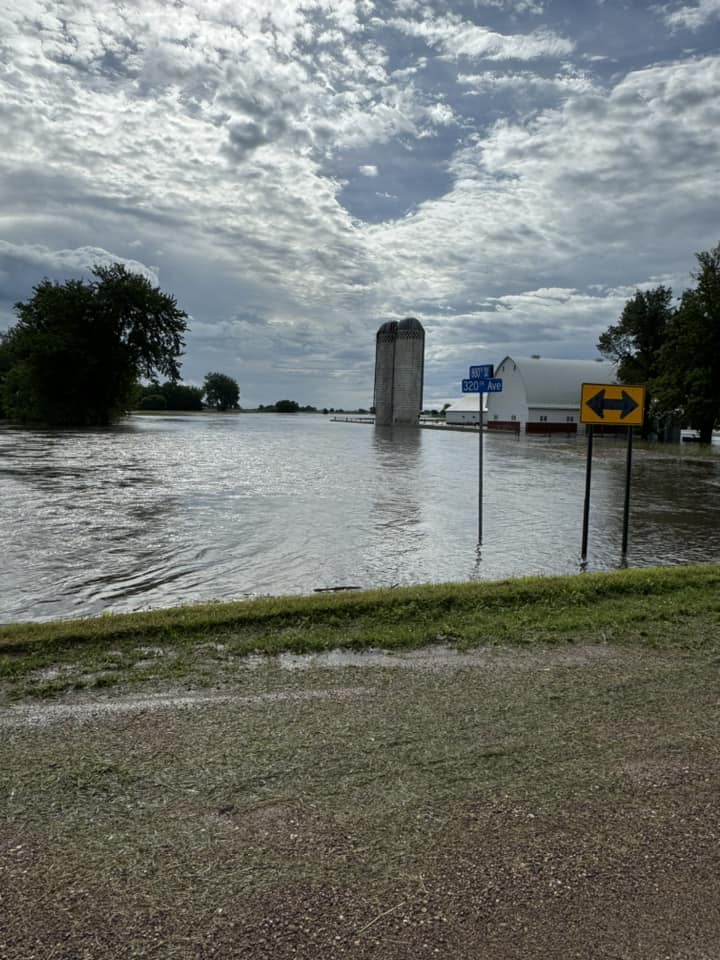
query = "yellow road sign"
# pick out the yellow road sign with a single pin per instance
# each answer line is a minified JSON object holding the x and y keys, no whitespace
{"x":612,"y":403}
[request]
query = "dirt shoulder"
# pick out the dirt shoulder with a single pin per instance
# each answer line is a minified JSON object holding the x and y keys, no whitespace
{"x":553,"y":801}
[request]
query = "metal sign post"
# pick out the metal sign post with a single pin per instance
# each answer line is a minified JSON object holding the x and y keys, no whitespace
{"x":617,"y":405}
{"x":586,"y":505}
{"x":626,"y":509}
{"x":480,"y":466}
{"x":481,"y":381}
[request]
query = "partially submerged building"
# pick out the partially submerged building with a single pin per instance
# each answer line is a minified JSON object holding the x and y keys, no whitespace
{"x":542,"y":395}
{"x":399,"y":371}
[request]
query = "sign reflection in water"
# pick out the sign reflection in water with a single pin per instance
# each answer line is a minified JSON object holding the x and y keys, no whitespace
{"x":166,"y":510}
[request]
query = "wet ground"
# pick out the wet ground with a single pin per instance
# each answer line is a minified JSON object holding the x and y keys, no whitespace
{"x":547,"y":803}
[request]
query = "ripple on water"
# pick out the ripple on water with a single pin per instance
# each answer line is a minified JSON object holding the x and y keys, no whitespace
{"x":169,"y":510}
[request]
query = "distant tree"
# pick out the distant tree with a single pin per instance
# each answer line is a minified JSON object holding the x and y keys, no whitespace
{"x":5,"y":365}
{"x":689,"y":379}
{"x":635,"y":344}
{"x":168,"y":396}
{"x":221,"y":391}
{"x":325,"y":410}
{"x":78,"y":348}
{"x":180,"y":396}
{"x":287,"y":406}
{"x":152,"y":401}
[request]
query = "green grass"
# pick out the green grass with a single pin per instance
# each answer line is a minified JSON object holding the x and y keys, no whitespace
{"x":671,"y":607}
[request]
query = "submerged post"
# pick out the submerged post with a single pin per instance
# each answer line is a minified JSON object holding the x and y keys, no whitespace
{"x":480,"y":469}
{"x":626,"y":510}
{"x":481,"y":381}
{"x":586,"y":506}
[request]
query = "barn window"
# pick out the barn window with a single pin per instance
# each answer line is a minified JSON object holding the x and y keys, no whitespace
{"x":543,"y":419}
{"x":513,"y":417}
{"x":570,"y":419}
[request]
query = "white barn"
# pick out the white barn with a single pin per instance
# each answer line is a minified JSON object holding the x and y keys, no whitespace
{"x":465,"y":410}
{"x":541,"y":395}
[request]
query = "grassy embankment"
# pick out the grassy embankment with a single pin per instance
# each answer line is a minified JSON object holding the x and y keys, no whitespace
{"x":205,"y":644}
{"x":553,"y":795}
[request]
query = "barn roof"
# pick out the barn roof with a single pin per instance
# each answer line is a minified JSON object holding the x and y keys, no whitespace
{"x":556,"y":383}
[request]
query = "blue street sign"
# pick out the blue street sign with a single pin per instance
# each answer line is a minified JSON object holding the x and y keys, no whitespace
{"x":482,"y":385}
{"x":483,"y":371}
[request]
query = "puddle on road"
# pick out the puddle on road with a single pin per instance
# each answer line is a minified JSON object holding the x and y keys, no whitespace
{"x":88,"y":711}
{"x":441,"y":656}
{"x":434,"y":657}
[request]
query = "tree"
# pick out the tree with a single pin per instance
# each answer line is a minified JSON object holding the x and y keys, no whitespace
{"x":79,"y":347}
{"x":152,"y":401}
{"x":221,"y":391}
{"x":180,"y":396}
{"x":287,"y":406}
{"x":169,"y":396}
{"x":636,"y":341}
{"x":689,"y":380}
{"x":5,"y":365}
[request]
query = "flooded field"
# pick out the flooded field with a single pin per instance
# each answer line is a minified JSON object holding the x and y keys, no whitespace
{"x":165,"y":510}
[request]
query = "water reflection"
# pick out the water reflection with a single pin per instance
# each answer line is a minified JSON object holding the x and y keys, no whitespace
{"x":166,"y":510}
{"x":395,"y":519}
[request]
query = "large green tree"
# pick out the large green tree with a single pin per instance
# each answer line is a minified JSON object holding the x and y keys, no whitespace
{"x":168,"y":396}
{"x":287,"y":406}
{"x":221,"y":391}
{"x":689,"y":380}
{"x":636,"y":341}
{"x":78,"y":348}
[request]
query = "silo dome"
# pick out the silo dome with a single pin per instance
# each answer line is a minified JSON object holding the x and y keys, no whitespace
{"x":410,"y":326}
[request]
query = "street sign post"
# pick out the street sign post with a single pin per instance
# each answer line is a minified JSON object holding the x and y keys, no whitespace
{"x":482,"y":385}
{"x":481,"y":381}
{"x":610,"y":404}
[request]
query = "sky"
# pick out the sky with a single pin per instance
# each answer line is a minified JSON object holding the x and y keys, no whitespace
{"x":296,"y":173}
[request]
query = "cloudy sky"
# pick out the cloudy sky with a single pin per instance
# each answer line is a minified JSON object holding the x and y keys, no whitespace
{"x":297,"y":172}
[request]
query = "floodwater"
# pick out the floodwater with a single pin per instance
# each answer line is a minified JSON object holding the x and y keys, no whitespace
{"x":164,"y":510}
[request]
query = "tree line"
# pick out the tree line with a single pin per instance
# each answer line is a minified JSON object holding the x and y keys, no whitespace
{"x":80,"y":350}
{"x":219,"y":391}
{"x":674,"y":351}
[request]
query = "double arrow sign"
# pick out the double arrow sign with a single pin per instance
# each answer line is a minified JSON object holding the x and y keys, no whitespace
{"x":610,"y":403}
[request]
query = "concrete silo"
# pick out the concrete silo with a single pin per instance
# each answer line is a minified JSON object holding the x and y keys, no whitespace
{"x":385,"y":342}
{"x":399,"y":367}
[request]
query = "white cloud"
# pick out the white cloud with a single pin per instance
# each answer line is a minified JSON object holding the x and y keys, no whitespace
{"x":517,"y":205}
{"x":526,"y":83}
{"x":456,"y":37}
{"x":70,"y":262}
{"x":692,"y":16}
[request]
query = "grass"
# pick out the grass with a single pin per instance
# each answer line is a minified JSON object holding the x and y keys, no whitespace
{"x":553,"y":793}
{"x":672,"y":607}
